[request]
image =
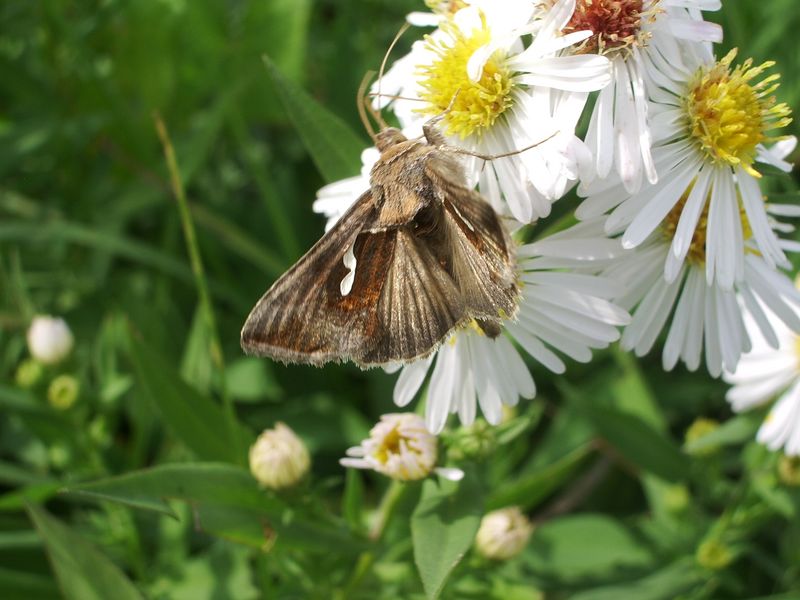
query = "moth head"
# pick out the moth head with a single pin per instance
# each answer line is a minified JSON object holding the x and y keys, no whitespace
{"x":388,"y":137}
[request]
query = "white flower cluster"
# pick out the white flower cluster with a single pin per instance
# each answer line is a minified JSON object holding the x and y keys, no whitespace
{"x":674,"y":235}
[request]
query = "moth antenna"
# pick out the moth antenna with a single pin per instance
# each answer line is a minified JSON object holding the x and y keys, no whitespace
{"x":361,"y":101}
{"x":397,"y":37}
{"x":375,"y":95}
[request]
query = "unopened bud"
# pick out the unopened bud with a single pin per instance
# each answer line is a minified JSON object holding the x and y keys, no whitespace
{"x":677,"y":498}
{"x":29,"y":372}
{"x":63,"y":392}
{"x":59,"y":455}
{"x":503,"y":533}
{"x":478,"y":440}
{"x":49,"y":339}
{"x":712,"y":554}
{"x":789,"y":470}
{"x":697,"y":430}
{"x":279,"y":459}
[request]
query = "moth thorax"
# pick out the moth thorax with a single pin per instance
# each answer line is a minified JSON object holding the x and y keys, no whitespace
{"x":388,"y":137}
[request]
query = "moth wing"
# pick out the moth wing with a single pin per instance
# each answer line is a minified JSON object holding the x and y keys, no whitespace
{"x":302,"y":318}
{"x":418,"y":306}
{"x":482,"y":256}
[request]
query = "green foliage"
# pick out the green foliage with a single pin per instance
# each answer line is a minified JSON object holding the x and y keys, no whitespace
{"x":143,"y":476}
{"x":443,"y":527}
{"x":83,"y":572}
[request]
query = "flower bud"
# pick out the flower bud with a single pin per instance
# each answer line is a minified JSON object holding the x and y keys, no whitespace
{"x":712,"y":554}
{"x":29,"y":372}
{"x":279,"y":459}
{"x":400,"y":447}
{"x":677,"y":498}
{"x":789,"y":470}
{"x":98,"y":431}
{"x":477,"y":441}
{"x":700,"y":428}
{"x":63,"y":392}
{"x":49,"y":339}
{"x":503,"y":533}
{"x":59,"y":455}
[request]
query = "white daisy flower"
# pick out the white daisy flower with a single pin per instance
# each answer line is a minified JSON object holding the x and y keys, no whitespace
{"x":441,"y":10}
{"x":399,"y":446}
{"x":712,"y":122}
{"x":771,"y":368}
{"x":496,"y":96}
{"x":334,"y":199}
{"x":629,"y":33}
{"x":561,"y":308}
{"x":706,"y":319}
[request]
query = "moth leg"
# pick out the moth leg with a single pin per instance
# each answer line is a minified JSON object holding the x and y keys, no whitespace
{"x":457,"y":150}
{"x":430,"y":128}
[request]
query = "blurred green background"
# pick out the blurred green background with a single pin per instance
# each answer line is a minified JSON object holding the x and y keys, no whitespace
{"x":90,"y":230}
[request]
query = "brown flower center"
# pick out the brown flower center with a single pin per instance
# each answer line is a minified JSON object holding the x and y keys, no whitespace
{"x":616,"y":24}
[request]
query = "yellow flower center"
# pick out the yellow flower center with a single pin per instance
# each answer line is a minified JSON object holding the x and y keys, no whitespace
{"x":390,"y":445}
{"x":697,"y":248}
{"x":616,"y":24}
{"x":473,"y":105}
{"x":728,"y":114}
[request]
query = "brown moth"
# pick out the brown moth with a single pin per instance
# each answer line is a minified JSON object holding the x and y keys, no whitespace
{"x":418,"y":255}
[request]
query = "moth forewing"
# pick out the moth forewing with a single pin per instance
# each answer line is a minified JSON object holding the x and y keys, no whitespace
{"x":417,"y":256}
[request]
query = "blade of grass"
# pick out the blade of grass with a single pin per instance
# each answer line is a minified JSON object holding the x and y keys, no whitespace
{"x":193,"y":248}
{"x":283,"y":229}
{"x":239,"y":241}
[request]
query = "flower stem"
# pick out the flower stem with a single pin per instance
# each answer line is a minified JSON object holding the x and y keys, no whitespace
{"x":386,"y":509}
{"x":206,"y":308}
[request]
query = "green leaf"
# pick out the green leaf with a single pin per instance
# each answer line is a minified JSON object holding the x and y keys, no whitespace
{"x":83,"y":572}
{"x":199,"y":422}
{"x":18,"y":585}
{"x":222,"y":572}
{"x":640,"y":443}
{"x":15,"y":540}
{"x":353,"y":500}
{"x":197,"y":364}
{"x":584,"y":546}
{"x":251,"y":379}
{"x":334,"y":148}
{"x":634,"y":438}
{"x":443,"y":527}
{"x":530,"y":489}
{"x":225,"y":500}
{"x":203,"y":483}
{"x":631,"y":393}
{"x":36,"y":492}
{"x":664,"y":584}
{"x":735,"y":431}
{"x":39,"y":418}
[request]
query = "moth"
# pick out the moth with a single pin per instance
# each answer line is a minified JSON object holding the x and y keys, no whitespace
{"x":418,"y":255}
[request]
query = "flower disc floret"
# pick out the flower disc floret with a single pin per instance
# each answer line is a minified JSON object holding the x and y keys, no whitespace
{"x":615,"y":24}
{"x":696,"y":254}
{"x":468,"y":106}
{"x":729,"y":114}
